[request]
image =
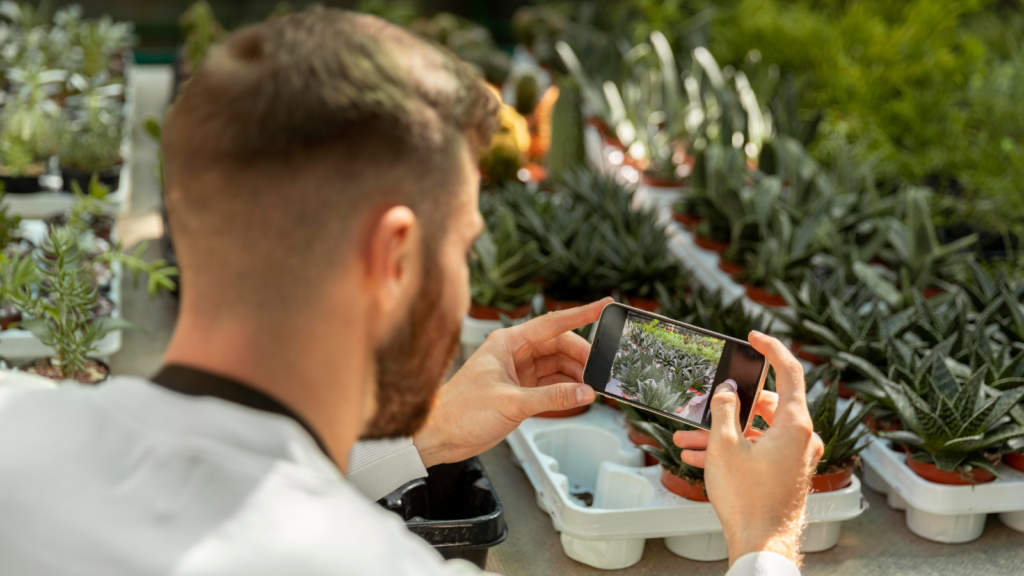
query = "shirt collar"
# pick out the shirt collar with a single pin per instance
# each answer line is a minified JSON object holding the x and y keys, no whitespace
{"x":195,"y":382}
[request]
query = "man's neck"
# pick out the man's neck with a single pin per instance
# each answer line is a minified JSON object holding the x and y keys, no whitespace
{"x":318,"y":378}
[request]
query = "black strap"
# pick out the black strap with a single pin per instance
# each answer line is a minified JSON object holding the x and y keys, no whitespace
{"x":195,"y":382}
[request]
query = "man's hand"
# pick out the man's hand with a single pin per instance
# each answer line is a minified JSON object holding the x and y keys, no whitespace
{"x":758,"y":484}
{"x":518,"y":372}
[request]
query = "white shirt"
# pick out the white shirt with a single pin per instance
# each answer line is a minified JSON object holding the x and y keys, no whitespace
{"x":129,"y":478}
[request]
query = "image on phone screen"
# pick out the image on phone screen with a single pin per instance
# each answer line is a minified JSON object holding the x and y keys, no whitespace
{"x":668,"y":368}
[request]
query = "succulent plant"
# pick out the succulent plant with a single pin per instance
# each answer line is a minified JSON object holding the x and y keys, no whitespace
{"x":90,"y":137}
{"x":700,"y":306}
{"x":914,"y":251}
{"x":950,"y":422}
{"x":666,"y":452}
{"x":840,"y":433}
{"x":504,"y":266}
{"x":567,"y":149}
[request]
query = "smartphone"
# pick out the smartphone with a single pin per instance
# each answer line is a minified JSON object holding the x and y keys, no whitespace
{"x":671,"y":368}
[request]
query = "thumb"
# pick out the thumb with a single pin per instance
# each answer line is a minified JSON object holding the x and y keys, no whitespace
{"x":561,"y":396}
{"x":725,"y":421}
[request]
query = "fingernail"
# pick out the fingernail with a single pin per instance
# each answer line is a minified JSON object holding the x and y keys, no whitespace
{"x":756,"y":333}
{"x":581,"y":394}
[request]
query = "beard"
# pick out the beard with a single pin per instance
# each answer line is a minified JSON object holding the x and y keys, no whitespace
{"x":413,"y":362}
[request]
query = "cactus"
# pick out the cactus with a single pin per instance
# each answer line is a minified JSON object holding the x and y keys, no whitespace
{"x":567,"y":151}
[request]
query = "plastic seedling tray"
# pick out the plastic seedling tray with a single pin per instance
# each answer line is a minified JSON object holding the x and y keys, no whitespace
{"x":940,"y":512}
{"x":605,"y":503}
{"x":22,"y":345}
{"x":454,"y":508}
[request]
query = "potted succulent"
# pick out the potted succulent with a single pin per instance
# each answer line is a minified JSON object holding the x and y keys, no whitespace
{"x":706,"y":308}
{"x":503,"y":270}
{"x":90,"y":142}
{"x":677,"y":476}
{"x":27,"y":140}
{"x":842,"y":439}
{"x":955,"y":428}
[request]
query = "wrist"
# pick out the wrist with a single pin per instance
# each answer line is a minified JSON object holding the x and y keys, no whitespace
{"x":431,"y":452}
{"x":784,"y":540}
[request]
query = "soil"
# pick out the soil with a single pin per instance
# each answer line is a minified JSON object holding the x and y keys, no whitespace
{"x":94,"y":372}
{"x":32,"y":171}
{"x":884,"y":424}
{"x":586,"y":497}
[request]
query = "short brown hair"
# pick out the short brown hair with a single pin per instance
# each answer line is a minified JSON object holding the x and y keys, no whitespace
{"x":293,"y":126}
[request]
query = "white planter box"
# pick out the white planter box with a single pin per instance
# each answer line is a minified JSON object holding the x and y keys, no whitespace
{"x":657,"y":197}
{"x":592,"y":454}
{"x":940,"y":512}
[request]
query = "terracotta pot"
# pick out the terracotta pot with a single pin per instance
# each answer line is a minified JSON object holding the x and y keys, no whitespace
{"x":647,"y":304}
{"x":564,"y":413}
{"x":799,"y":352}
{"x":832,"y":482}
{"x":491,"y":313}
{"x":689,"y":221}
{"x":886,"y":425}
{"x":1014,"y":460}
{"x":610,"y":402}
{"x":683,"y":487}
{"x":932,"y":292}
{"x":709,"y":244}
{"x":932,"y":474}
{"x":554,"y":304}
{"x":656,"y":182}
{"x":639,"y":438}
{"x":729,"y":267}
{"x":762,"y":296}
{"x":537,"y":172}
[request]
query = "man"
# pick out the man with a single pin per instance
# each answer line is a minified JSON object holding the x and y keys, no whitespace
{"x":322,"y":186}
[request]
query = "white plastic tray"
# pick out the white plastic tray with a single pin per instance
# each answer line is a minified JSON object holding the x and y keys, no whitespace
{"x":20,"y":345}
{"x":591,"y":453}
{"x":474,"y":332}
{"x":940,"y":512}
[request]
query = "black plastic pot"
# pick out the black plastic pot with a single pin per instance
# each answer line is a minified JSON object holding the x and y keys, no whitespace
{"x":21,"y":184}
{"x":111,"y":177}
{"x":454,"y":508}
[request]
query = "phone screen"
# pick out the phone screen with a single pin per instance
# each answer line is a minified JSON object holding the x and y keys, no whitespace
{"x":670,"y":367}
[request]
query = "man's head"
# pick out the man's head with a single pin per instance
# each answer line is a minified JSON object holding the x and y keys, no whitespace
{"x":326,"y":156}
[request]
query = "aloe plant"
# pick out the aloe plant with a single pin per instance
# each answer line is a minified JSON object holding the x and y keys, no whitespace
{"x":921,"y":261}
{"x":706,"y":308}
{"x":666,"y":452}
{"x":505,"y":265}
{"x":950,"y":422}
{"x":841,"y":434}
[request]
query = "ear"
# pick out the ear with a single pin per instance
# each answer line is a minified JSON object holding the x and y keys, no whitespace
{"x":394,"y":267}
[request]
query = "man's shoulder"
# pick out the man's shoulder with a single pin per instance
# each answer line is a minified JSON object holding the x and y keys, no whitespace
{"x":298,"y":524}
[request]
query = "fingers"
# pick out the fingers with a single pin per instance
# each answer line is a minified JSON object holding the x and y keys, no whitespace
{"x":554,"y":397}
{"x":767,"y":402}
{"x":725,"y":421}
{"x":789,"y":372}
{"x":559,"y":362}
{"x":694,"y":457}
{"x":552,"y":324}
{"x":691,"y":439}
{"x":568,"y":342}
